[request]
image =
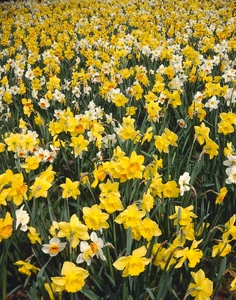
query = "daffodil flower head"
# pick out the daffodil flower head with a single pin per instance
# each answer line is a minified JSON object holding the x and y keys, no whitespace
{"x":33,"y":235}
{"x":183,"y":216}
{"x":72,"y":279}
{"x":74,"y":231}
{"x":202,"y":288}
{"x":134,"y":264}
{"x":91,"y":250}
{"x":54,"y":247}
{"x":184,"y":183}
{"x":6,"y":227}
{"x":26,"y":267}
{"x":22,"y":218}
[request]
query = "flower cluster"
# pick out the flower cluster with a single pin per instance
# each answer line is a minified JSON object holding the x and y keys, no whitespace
{"x":117,"y":148}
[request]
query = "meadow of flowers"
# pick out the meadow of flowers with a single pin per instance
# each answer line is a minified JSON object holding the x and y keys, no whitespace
{"x":117,"y":149}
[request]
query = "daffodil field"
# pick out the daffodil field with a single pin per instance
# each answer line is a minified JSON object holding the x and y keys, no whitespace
{"x":117,"y":149}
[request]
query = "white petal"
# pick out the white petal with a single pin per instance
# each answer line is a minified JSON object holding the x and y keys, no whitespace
{"x":54,"y":240}
{"x":80,"y":259}
{"x":62,"y":246}
{"x":93,"y":236}
{"x":84,"y":246}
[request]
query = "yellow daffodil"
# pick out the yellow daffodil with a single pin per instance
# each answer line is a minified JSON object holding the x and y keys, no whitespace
{"x":202,"y":288}
{"x":79,"y":145}
{"x":39,"y":188}
{"x":70,"y":189}
{"x":72,"y":279}
{"x":31,"y":163}
{"x":6,"y":227}
{"x":74,"y":231}
{"x":110,"y":196}
{"x":201,"y":133}
{"x":133,"y":265}
{"x":26,"y":268}
{"x":33,"y":235}
{"x":148,"y":229}
{"x":193,"y":255}
{"x":183,"y":216}
{"x":94,"y":217}
{"x":221,"y":196}
{"x":130,"y":217}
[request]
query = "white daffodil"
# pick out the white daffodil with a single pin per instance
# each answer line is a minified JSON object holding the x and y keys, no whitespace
{"x":88,"y":251}
{"x":231,"y":161}
{"x":184,"y":183}
{"x":231,"y":172}
{"x":54,"y":247}
{"x":22,"y":218}
{"x":212,"y":103}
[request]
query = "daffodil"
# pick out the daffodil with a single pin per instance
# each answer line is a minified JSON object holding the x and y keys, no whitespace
{"x":132,"y":265}
{"x":88,"y":251}
{"x":110,"y":196}
{"x":70,"y":189}
{"x":147,"y":201}
{"x":22,"y":219}
{"x":230,"y":229}
{"x":184,"y":183}
{"x":221,"y":196}
{"x":31,"y":163}
{"x":211,"y":148}
{"x":149,"y":228}
{"x":130,"y":217}
{"x":40,"y":188}
{"x":72,"y":279}
{"x":94,"y":217}
{"x":163,"y":257}
{"x":202,"y":287}
{"x":193,"y":255}
{"x":79,"y":145}
{"x":33,"y":235}
{"x":231,"y":172}
{"x":233,"y":285}
{"x":183,"y":216}
{"x":222,"y":249}
{"x":170,"y":189}
{"x":26,"y":267}
{"x":6,"y":227}
{"x":201,"y":133}
{"x":54,"y":247}
{"x":74,"y":231}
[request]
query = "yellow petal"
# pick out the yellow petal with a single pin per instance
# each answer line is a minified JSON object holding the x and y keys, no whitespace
{"x":67,"y":268}
{"x":59,"y":283}
{"x":121,"y":262}
{"x":140,"y":251}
